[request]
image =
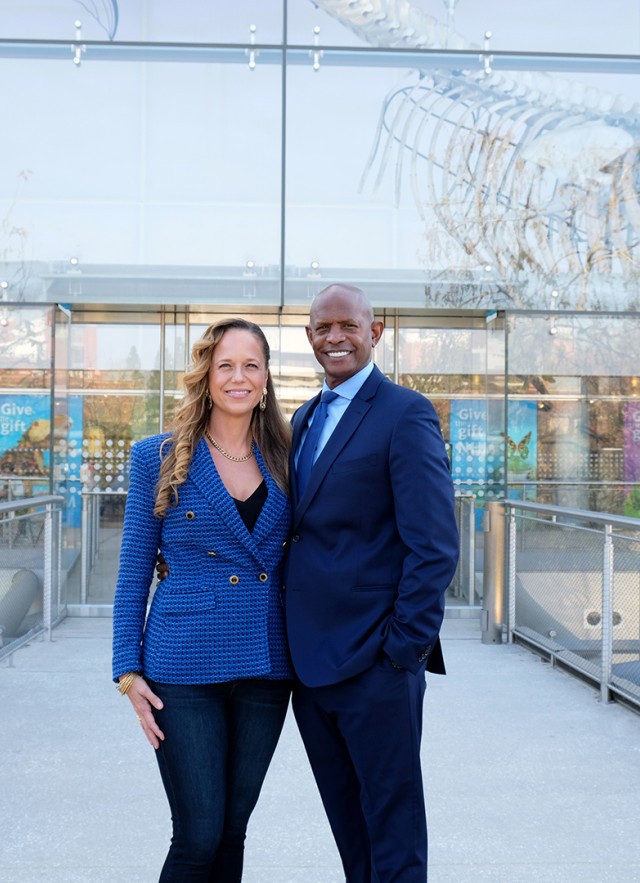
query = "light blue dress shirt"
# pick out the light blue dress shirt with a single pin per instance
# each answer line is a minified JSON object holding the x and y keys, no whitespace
{"x":347,"y":390}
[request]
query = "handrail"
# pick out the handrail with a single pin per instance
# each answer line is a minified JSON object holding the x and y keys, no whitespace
{"x":30,"y":502}
{"x":583,"y":514}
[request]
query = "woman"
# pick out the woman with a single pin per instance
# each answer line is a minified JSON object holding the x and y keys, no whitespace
{"x":208,"y":675}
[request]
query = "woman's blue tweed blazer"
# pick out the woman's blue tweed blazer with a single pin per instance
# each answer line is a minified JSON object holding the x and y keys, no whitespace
{"x":218,"y":616}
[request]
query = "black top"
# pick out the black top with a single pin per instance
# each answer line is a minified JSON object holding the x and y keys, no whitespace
{"x":251,"y":508}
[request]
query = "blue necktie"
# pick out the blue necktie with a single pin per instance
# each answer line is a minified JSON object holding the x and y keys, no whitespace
{"x":306,"y":457}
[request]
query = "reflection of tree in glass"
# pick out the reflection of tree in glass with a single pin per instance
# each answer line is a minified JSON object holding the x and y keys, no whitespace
{"x":631,"y":507}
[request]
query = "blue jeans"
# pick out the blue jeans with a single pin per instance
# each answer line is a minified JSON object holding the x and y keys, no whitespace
{"x":219,"y":741}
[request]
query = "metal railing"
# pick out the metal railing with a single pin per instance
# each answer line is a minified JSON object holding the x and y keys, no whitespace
{"x":31,"y":583}
{"x":463,"y":586}
{"x":571,"y":590}
{"x":100,"y":548}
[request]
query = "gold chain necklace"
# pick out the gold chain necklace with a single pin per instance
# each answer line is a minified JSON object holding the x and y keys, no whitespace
{"x":226,"y":453}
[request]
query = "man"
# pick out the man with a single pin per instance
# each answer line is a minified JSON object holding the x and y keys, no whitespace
{"x":374,"y":547}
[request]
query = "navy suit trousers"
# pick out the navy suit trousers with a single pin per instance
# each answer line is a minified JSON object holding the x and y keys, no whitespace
{"x":362,"y":736}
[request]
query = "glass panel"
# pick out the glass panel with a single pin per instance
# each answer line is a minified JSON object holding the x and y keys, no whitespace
{"x":32,"y":437}
{"x":338,"y":221}
{"x":460,"y":370}
{"x":458,"y":363}
{"x":526,"y":28}
{"x":462,"y":25}
{"x":136,"y":194}
{"x":496,"y":190}
{"x":573,"y":420}
{"x":163,"y":20}
{"x":67,"y":449}
{"x":25,"y":400}
{"x":175,"y":358}
{"x":114,"y":373}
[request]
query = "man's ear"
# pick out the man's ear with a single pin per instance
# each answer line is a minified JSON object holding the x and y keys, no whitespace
{"x":376,"y":332}
{"x":309,"y":331}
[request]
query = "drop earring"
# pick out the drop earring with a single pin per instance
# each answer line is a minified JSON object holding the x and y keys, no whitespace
{"x":208,"y":399}
{"x":263,"y":400}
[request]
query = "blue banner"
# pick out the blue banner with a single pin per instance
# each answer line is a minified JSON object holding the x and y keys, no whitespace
{"x":468,"y":434}
{"x":522,"y":448}
{"x":25,"y":435}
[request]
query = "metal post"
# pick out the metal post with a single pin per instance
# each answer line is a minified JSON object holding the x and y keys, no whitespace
{"x":493,"y":590}
{"x":163,"y":360}
{"x":59,"y":564}
{"x":511,"y":577}
{"x":48,"y":569}
{"x":471,"y":565}
{"x":607,"y":614}
{"x":95,"y":529}
{"x":84,"y":551}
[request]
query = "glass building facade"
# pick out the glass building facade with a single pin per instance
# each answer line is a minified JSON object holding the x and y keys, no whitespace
{"x":474,"y":170}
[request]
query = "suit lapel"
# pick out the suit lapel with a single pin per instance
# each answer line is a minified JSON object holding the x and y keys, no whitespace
{"x":346,"y":427}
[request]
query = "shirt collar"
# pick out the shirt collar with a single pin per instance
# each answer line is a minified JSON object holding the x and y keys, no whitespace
{"x":348,"y":389}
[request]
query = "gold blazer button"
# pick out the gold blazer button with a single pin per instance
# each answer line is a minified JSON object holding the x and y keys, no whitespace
{"x":211,"y":553}
{"x":263,"y":577}
{"x":189,"y":515}
{"x":234,"y":580}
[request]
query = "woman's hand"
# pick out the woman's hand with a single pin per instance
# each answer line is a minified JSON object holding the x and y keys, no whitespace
{"x":144,"y":700}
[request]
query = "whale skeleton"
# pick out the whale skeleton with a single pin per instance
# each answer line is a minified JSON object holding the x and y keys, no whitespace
{"x":534,"y":177}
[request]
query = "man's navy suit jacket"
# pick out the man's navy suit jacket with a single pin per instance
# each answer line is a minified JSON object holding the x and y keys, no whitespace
{"x":374,"y":543}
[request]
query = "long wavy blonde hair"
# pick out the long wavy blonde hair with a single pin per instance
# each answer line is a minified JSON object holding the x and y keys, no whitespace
{"x":270,"y":430}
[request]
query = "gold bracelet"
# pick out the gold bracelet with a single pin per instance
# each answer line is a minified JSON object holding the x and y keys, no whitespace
{"x":125,"y":684}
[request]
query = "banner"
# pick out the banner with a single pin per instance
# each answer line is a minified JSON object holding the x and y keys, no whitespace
{"x":522,"y":447}
{"x":632,"y":441}
{"x":468,"y":436}
{"x":25,"y":435}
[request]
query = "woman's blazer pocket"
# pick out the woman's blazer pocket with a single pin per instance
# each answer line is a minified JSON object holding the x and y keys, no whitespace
{"x":179,"y":603}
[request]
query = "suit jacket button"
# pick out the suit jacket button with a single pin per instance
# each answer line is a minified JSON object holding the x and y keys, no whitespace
{"x":234,"y":580}
{"x":295,"y":538}
{"x":263,"y":577}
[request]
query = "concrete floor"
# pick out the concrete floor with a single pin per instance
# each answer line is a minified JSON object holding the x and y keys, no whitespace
{"x":528,"y":776}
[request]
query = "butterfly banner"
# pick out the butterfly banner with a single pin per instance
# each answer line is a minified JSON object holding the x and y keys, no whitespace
{"x":522,"y":446}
